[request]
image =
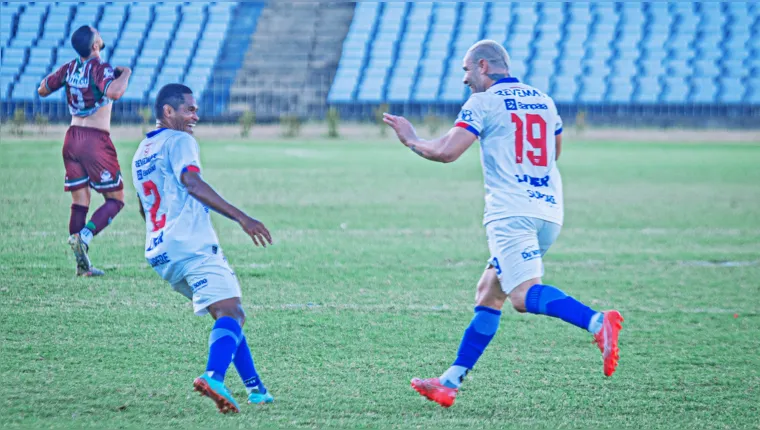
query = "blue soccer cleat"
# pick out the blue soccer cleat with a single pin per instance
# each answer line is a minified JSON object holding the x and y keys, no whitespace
{"x":256,"y":398}
{"x":216,"y":391}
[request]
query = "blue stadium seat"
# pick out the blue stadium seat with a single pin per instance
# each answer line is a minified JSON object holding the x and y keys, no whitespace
{"x":648,"y":89}
{"x":111,"y":21}
{"x":8,"y":13}
{"x":13,"y":60}
{"x":137,"y":35}
{"x":86,"y":14}
{"x":676,"y":90}
{"x":704,"y":90}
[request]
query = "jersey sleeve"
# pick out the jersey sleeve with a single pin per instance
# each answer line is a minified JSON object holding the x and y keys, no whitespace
{"x":184,"y":156}
{"x":471,"y":115}
{"x":103,"y":76}
{"x":55,"y":80}
{"x":558,"y":124}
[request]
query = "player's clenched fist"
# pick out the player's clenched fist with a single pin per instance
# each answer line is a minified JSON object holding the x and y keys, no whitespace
{"x":256,"y":230}
{"x":120,"y":70}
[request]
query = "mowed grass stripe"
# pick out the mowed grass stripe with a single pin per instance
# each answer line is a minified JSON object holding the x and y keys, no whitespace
{"x":371,"y":282}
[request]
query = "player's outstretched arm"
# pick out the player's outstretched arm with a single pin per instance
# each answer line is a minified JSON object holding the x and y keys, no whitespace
{"x":558,"y":139}
{"x":119,"y":85}
{"x":53,"y":82}
{"x":444,"y":149}
{"x":43,"y":90}
{"x":203,"y":192}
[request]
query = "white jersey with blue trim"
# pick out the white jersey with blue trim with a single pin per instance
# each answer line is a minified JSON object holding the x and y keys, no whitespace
{"x":517,"y":125}
{"x":178,"y":227}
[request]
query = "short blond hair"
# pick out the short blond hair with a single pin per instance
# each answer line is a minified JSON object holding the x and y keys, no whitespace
{"x":491,"y":51}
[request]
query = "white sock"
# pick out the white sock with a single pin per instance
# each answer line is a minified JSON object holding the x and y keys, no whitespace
{"x":86,"y":235}
{"x":595,"y":325}
{"x":454,"y":376}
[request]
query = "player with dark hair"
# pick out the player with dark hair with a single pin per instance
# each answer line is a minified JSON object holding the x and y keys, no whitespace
{"x":88,"y":154}
{"x":181,"y":244}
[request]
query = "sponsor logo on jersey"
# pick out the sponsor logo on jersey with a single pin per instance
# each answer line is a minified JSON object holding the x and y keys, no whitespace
{"x":154,"y":242}
{"x":159,"y":260}
{"x":105,"y":176}
{"x":530,"y":254}
{"x":513,"y":104}
{"x":533,"y":181}
{"x":520,"y":92}
{"x":541,"y":196}
{"x":466,"y":115}
{"x":144,"y":173}
{"x":107,"y":73}
{"x":199,"y":285}
{"x":143,"y":161}
{"x":532,"y":106}
{"x":77,"y":80}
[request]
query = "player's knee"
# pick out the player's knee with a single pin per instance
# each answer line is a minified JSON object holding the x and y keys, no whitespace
{"x":492,"y":302}
{"x":115,"y":195}
{"x":481,"y":292}
{"x":518,"y":295}
{"x":238,"y":314}
{"x":518,"y":302}
{"x":228,"y":308}
{"x":490,"y":297}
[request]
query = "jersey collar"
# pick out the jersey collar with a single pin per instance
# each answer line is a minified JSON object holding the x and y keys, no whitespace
{"x":155,"y":132}
{"x":507,"y":80}
{"x":81,"y":63}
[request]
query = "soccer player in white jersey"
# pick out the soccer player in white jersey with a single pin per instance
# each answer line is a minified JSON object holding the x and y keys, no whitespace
{"x":520,"y":136}
{"x":183,"y":248}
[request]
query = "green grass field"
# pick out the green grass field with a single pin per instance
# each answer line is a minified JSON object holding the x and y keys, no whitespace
{"x":371,"y":282}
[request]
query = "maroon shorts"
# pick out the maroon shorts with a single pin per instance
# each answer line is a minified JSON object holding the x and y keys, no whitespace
{"x":90,"y":159}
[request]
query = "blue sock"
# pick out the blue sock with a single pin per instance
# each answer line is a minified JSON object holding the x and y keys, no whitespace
{"x":222,"y":344}
{"x":246,"y":369}
{"x":547,"y":300}
{"x":476,"y":338}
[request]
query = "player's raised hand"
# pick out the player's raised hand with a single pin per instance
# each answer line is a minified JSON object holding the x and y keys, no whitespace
{"x":256,"y":230}
{"x":403,"y":128}
{"x":120,"y":70}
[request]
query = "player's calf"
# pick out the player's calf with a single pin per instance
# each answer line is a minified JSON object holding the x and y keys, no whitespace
{"x":242,"y":359}
{"x":536,"y":298}
{"x":101,"y":219}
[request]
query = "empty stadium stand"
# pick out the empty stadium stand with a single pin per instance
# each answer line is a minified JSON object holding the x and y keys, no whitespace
{"x":579,"y":52}
{"x":292,"y":59}
{"x":161,"y":42}
{"x":282,"y":57}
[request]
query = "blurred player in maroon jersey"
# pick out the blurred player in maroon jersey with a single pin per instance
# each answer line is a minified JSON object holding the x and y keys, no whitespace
{"x":88,"y":153}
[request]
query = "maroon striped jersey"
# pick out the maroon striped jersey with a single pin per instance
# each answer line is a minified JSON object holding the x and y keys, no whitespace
{"x":86,"y":84}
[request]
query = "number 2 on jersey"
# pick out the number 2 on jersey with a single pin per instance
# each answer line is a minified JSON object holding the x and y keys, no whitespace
{"x":537,"y":155}
{"x":150,"y":188}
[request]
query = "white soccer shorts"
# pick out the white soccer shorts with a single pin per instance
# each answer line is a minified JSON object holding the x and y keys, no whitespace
{"x":517,"y":246}
{"x":210,"y":281}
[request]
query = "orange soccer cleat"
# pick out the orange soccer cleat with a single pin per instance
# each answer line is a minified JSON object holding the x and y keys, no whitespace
{"x":433,"y":390}
{"x":607,"y":340}
{"x":216,"y":391}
